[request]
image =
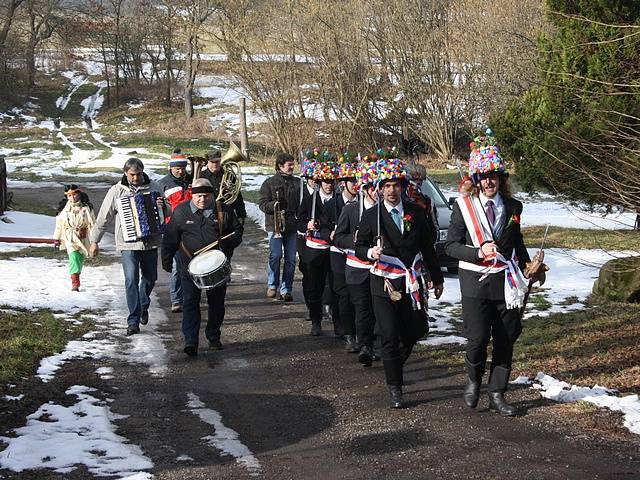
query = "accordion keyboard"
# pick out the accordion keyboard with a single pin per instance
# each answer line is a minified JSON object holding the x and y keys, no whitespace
{"x":139,"y":216}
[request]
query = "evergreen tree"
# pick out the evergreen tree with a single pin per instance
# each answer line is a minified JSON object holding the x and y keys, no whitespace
{"x":578,"y":131}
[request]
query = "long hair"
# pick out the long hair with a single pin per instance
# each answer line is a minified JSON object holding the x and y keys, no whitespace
{"x":84,"y":202}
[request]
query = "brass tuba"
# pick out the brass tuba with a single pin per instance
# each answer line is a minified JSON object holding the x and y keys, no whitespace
{"x":231,"y":176}
{"x":197,"y":165}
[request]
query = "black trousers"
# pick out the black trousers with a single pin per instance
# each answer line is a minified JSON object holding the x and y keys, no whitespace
{"x":342,"y":303}
{"x":313,"y":288}
{"x":399,"y":327}
{"x":365,"y":320}
{"x":484,"y":320}
{"x":300,"y":244}
{"x":191,"y":315}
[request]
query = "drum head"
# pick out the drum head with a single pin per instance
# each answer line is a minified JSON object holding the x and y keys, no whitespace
{"x":207,"y":262}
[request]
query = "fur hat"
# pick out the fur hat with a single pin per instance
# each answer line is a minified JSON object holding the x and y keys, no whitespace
{"x":201,"y":185}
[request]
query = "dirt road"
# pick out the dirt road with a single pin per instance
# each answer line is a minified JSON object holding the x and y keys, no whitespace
{"x":277,"y":403}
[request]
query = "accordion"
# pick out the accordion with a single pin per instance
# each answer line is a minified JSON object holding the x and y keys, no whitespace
{"x":140,"y":217}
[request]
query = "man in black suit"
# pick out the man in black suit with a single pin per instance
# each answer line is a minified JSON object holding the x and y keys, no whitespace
{"x":315,"y":253}
{"x":484,"y":234}
{"x":328,"y":221}
{"x":398,"y":303}
{"x":356,"y":271}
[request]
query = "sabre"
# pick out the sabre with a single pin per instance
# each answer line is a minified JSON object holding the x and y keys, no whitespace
{"x":313,"y":203}
{"x":533,"y":267}
{"x":301,"y":156}
{"x":459,"y":166}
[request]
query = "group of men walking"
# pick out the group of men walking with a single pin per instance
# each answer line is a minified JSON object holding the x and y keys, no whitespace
{"x":364,"y":234}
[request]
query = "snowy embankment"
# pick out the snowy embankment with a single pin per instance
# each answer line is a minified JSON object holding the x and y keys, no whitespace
{"x":56,"y":442}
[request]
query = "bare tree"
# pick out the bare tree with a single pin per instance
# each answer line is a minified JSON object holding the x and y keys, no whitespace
{"x":44,"y":17}
{"x":7,"y":16}
{"x":194,"y":14}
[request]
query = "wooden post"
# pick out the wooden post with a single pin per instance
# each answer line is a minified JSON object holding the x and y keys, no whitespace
{"x":244,"y":140}
{"x":3,"y":186}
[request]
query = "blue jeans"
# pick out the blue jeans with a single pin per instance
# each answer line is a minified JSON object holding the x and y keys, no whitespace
{"x":138,"y":287}
{"x":175,"y":285}
{"x":276,"y":245}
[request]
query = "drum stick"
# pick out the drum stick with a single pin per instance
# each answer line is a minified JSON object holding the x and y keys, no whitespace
{"x":214,"y":244}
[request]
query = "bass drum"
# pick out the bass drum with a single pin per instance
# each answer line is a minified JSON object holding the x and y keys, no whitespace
{"x":210,"y":269}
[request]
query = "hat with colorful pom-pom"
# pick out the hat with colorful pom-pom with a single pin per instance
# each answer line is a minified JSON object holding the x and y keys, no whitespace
{"x":390,"y":166}
{"x":347,"y":165}
{"x":323,"y":164}
{"x":485,"y":157}
{"x":367,"y":171}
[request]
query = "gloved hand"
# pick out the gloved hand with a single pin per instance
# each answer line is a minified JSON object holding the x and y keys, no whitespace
{"x":56,"y":244}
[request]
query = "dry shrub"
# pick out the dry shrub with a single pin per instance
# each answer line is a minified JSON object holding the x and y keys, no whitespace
{"x":181,"y":127}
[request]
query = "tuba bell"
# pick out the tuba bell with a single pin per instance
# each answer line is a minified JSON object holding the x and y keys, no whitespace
{"x":231,"y":176}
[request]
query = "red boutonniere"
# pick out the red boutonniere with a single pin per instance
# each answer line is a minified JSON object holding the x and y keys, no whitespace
{"x":514,"y":219}
{"x":407,"y":220}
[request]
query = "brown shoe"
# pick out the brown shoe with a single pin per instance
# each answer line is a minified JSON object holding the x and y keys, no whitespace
{"x":271,"y":293}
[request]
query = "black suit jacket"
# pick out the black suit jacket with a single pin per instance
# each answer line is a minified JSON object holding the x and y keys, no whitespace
{"x":310,"y":255}
{"x":328,"y":222}
{"x":348,"y":224}
{"x":459,"y":246}
{"x":404,"y":246}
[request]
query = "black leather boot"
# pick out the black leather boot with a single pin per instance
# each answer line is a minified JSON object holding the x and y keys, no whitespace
{"x":351,"y":345}
{"x":396,"y":396}
{"x":471,"y":394}
{"x":498,"y":403}
{"x":316,"y":328}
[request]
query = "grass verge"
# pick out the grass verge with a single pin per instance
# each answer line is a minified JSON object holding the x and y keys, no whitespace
{"x":559,"y":237}
{"x":595,"y":345}
{"x":28,"y":336}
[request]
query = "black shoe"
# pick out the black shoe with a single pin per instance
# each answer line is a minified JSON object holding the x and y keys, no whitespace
{"x":144,"y":317}
{"x":471,"y":394}
{"x":351,"y":346}
{"x":191,"y":350}
{"x":316,"y":328}
{"x":215,"y":345}
{"x":133,"y":329}
{"x":498,"y":403}
{"x":365,"y":357}
{"x":396,"y":396}
{"x":287,"y":297}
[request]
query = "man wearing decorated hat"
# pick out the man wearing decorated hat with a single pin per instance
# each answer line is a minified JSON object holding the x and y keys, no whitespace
{"x":307,"y":187}
{"x":316,"y":249}
{"x":484,"y":235}
{"x":175,"y":187}
{"x":394,"y":236}
{"x":356,"y":271}
{"x":346,"y":195}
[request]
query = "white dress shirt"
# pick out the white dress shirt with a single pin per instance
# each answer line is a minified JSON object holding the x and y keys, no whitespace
{"x":498,"y":208}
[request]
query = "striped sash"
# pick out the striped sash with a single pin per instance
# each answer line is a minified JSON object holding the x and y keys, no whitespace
{"x":392,"y":267}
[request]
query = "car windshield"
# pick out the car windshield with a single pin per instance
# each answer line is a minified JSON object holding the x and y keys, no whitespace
{"x":433,"y":192}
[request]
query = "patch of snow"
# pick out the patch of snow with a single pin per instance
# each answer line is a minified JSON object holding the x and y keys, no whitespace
{"x":559,"y":391}
{"x":254,"y":213}
{"x":60,"y":438}
{"x":12,"y":398}
{"x":224,"y":438}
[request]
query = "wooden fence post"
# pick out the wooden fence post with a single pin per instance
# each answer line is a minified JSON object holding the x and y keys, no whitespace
{"x":244,"y":140}
{"x":3,"y":185}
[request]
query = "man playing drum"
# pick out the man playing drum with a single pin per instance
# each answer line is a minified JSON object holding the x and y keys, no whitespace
{"x":194,"y":225}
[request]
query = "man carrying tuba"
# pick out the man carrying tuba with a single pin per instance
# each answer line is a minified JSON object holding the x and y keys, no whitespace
{"x":214,"y":172}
